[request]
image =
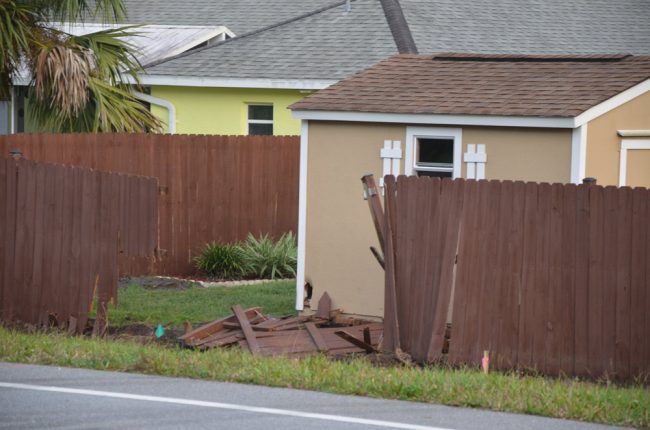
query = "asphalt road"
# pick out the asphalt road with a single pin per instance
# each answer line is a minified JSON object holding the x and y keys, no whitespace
{"x":52,"y":397}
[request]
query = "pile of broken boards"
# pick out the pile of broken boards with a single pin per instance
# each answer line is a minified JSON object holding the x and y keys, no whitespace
{"x":288,"y":336}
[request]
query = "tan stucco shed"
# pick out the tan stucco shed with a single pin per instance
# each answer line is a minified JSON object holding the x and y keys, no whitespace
{"x":541,"y":119}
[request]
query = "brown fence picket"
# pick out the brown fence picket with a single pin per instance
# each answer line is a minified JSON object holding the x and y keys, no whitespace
{"x":548,"y":277}
{"x":623,"y":283}
{"x":640,"y":278}
{"x":462,"y":296}
{"x":450,"y":208}
{"x":212,"y":188}
{"x":566,"y":287}
{"x":61,"y":233}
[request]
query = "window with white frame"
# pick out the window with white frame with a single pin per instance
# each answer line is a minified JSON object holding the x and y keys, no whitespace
{"x":631,"y":145}
{"x":260,"y":119}
{"x":434,"y":156}
{"x":433,"y":151}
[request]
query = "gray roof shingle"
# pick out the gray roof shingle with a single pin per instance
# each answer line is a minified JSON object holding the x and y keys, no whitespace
{"x":333,"y":44}
{"x":530,"y":26}
{"x":240,"y":16}
{"x":328,"y":45}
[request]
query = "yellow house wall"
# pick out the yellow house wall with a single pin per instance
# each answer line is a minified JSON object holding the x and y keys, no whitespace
{"x":224,"y":110}
{"x":604,"y":144}
{"x":339,"y":230}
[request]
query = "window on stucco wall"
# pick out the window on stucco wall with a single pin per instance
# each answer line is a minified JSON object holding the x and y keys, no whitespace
{"x":260,"y":120}
{"x":433,"y":151}
{"x":434,"y":157}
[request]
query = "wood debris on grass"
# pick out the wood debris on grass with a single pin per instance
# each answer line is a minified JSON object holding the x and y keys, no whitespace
{"x":293,"y":336}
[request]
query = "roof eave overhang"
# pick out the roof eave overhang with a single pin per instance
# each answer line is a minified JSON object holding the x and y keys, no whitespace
{"x":197,"y":81}
{"x":482,"y":120}
{"x":476,"y":120}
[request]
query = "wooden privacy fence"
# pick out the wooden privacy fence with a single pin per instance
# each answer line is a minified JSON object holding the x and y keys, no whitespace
{"x":212,"y":188}
{"x":551,"y":277}
{"x":62,"y":229}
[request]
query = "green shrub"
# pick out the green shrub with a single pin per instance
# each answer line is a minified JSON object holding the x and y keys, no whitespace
{"x":267,"y":259}
{"x":225,"y":261}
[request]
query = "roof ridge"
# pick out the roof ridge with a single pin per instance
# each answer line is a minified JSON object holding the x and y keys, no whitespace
{"x":399,"y":27}
{"x":453,"y":56}
{"x":251,"y":33}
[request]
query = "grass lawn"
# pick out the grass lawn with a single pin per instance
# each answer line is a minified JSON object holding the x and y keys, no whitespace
{"x":562,"y":398}
{"x":465,"y":387}
{"x":171,"y":307}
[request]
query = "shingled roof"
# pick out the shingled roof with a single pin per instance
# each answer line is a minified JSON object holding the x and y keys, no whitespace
{"x":468,"y":84}
{"x":325,"y":45}
{"x":240,"y":16}
{"x":331,"y":43}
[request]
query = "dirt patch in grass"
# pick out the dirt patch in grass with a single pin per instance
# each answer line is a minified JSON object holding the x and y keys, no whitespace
{"x":158,"y":283}
{"x":145,"y":334}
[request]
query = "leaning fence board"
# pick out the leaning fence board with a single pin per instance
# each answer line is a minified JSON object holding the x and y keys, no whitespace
{"x":211,"y":188}
{"x":548,"y":277}
{"x":245,"y":325}
{"x":61,"y":237}
{"x":391,"y":328}
{"x":316,"y":337}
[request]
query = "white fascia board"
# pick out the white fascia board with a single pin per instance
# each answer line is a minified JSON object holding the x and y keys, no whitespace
{"x":578,"y":154}
{"x":479,"y":120}
{"x":195,"y":81}
{"x":613,"y":103}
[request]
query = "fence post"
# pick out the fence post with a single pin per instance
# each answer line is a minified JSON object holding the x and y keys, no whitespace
{"x":589,"y":181}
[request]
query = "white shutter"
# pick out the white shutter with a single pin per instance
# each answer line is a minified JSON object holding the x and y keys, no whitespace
{"x":475,"y":159}
{"x":391,"y":155}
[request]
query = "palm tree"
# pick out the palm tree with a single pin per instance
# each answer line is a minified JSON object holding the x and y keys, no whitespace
{"x":78,"y":83}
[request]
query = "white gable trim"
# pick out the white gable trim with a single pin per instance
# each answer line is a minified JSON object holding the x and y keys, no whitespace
{"x":613,"y":103}
{"x":484,"y":120}
{"x":195,"y":81}
{"x":578,"y":154}
{"x":302,"y":216}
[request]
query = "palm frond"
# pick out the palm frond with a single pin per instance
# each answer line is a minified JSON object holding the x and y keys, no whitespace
{"x":80,"y":85}
{"x":61,"y":75}
{"x":79,"y":10}
{"x":17,"y":22}
{"x":109,"y":108}
{"x":79,"y":82}
{"x":114,"y":55}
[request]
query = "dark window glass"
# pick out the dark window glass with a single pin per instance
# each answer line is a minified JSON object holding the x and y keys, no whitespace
{"x":260,"y":129}
{"x":260,"y":112}
{"x":434,"y":174}
{"x":435,"y":152}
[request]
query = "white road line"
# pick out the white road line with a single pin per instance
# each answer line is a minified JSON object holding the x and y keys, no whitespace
{"x":272,"y":411}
